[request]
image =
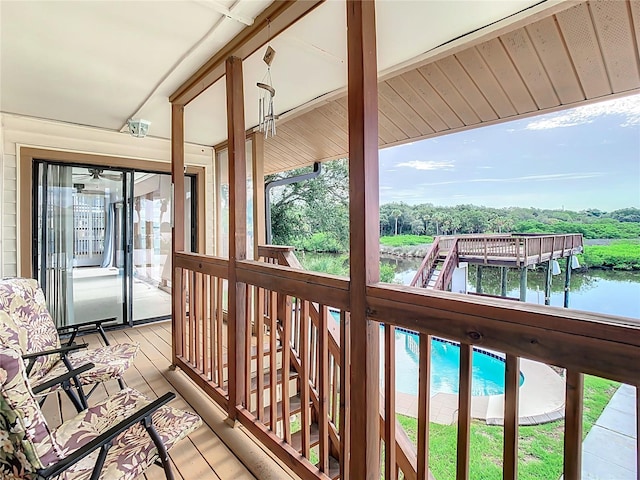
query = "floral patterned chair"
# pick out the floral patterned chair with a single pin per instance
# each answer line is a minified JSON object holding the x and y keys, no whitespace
{"x":118,"y":438}
{"x":25,"y":324}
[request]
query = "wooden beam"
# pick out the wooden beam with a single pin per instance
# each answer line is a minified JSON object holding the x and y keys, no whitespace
{"x":511,"y":417}
{"x":276,"y":18}
{"x":177,"y":231}
{"x":237,"y":317}
{"x":364,"y":248}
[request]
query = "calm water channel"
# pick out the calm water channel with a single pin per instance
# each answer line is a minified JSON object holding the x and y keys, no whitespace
{"x":602,"y":291}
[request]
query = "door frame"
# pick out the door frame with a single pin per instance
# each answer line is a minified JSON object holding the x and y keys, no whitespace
{"x":29,"y":155}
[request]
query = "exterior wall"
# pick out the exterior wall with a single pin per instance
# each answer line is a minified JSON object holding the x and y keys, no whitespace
{"x":17,"y":132}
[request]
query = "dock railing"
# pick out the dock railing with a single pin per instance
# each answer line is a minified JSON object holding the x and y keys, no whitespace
{"x":291,"y":381}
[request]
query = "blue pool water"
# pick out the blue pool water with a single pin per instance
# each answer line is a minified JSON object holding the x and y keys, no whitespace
{"x":488,"y":371}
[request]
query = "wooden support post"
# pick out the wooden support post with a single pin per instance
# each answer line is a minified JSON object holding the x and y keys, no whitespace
{"x":567,"y":282}
{"x":364,"y":207}
{"x":177,"y":232}
{"x":523,"y":283}
{"x":503,"y":281}
{"x":574,"y":406}
{"x":237,"y":316}
{"x":547,"y":282}
{"x":478,"y":278}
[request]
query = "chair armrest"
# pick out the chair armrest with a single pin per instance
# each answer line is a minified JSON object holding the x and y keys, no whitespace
{"x":62,"y":350}
{"x":106,"y":437}
{"x":94,"y":326}
{"x":62,"y":378}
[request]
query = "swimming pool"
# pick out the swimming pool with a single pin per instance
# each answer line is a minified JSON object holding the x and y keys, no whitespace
{"x":487,"y":371}
{"x":487,"y":374}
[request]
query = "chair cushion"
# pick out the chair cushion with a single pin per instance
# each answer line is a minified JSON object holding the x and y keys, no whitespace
{"x":132,"y":451}
{"x":110,"y":362}
{"x":23,"y":300}
{"x":25,"y":438}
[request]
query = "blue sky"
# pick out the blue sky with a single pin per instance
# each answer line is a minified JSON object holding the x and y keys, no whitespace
{"x":587,"y":157}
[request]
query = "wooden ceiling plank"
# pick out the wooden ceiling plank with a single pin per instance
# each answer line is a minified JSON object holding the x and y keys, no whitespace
{"x":324,"y":119}
{"x":384,"y":135}
{"x":467,"y":87}
{"x":314,"y":125}
{"x":389,"y":126}
{"x":422,"y":108}
{"x":554,"y":56}
{"x":396,"y":116}
{"x":524,"y":56}
{"x":386,"y":91}
{"x":505,"y":72}
{"x":449,"y":93}
{"x":635,"y":19}
{"x":318,"y":141}
{"x":616,"y":37}
{"x":286,"y":137}
{"x":433,"y":99}
{"x":580,"y":36}
{"x":335,"y":122}
{"x":476,"y":67}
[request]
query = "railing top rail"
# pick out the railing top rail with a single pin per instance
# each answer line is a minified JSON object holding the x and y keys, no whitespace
{"x":602,"y":345}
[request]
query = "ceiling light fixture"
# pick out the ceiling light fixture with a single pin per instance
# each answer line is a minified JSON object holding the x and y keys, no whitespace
{"x":138,"y":128}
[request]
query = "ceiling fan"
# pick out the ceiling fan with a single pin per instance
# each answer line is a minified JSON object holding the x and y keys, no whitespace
{"x":97,"y":174}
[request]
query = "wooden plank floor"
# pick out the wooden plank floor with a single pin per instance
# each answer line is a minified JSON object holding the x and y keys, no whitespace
{"x":202,"y":455}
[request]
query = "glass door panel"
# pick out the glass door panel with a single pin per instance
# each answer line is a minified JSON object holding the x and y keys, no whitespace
{"x":151,"y":236}
{"x":80,"y":227}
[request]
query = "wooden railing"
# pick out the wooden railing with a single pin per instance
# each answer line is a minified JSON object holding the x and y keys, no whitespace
{"x":296,"y":394}
{"x":421,"y":278}
{"x":449,"y":265}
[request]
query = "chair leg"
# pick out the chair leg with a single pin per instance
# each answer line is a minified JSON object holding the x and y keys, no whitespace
{"x":121,"y":383}
{"x":74,"y":399}
{"x":162,"y":451}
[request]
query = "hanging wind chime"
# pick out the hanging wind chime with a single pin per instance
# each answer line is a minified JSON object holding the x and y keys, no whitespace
{"x":267,"y":123}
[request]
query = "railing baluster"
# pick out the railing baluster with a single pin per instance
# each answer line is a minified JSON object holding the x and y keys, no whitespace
{"x":248,"y":350}
{"x":260,"y":354}
{"x":286,"y":365}
{"x":206,"y":325}
{"x":424,"y":387}
{"x":334,"y":389}
{"x":323,"y":388}
{"x":573,"y":425}
{"x":197,"y":318}
{"x":304,"y":374}
{"x":192,"y":317}
{"x":273,"y":366}
{"x":219,"y":334}
{"x":511,"y":417}
{"x":179,"y":320}
{"x":638,"y":432}
{"x":345,"y":394}
{"x":464,"y":412}
{"x":390,"y":402}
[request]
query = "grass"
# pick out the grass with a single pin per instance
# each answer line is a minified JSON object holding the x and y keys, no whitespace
{"x":405,"y":240}
{"x":621,"y":255}
{"x":540,"y":446}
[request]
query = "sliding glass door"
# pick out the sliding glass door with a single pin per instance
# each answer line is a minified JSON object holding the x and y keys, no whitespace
{"x":102,"y":248}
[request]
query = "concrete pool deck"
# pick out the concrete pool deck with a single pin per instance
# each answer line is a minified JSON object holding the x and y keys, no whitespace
{"x":541,"y":400}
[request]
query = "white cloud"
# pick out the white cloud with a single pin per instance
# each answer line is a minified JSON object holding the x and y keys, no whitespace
{"x":527,"y":178}
{"x":627,"y":107}
{"x":427,"y":165}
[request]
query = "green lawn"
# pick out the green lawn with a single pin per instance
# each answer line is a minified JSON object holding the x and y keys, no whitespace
{"x":540,"y":446}
{"x":405,"y":240}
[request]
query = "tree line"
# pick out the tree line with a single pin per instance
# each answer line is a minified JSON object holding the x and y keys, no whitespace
{"x":314,"y":215}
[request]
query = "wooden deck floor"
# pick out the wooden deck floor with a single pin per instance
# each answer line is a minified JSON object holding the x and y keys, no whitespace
{"x":202,"y":455}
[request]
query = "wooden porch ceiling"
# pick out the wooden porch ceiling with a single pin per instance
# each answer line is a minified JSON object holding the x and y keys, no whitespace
{"x":577,"y":55}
